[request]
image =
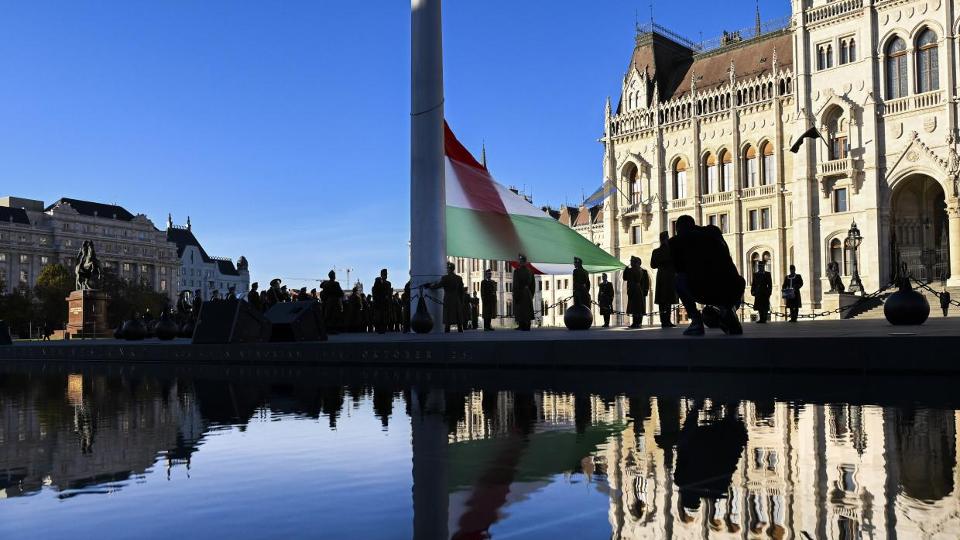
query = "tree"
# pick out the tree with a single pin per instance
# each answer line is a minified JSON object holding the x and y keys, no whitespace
{"x":129,"y":299}
{"x":53,"y":285}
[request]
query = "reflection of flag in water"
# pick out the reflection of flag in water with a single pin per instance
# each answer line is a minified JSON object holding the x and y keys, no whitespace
{"x":600,"y":194}
{"x":486,"y":220}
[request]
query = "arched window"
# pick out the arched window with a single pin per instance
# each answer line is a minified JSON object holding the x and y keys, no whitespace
{"x":853,"y":50}
{"x":754,"y":263}
{"x":633,"y":184}
{"x":726,"y":171}
{"x":844,"y":52}
{"x":680,"y":179}
{"x":928,"y":78}
{"x":711,"y":175}
{"x":769,"y":164}
{"x":837,"y":255}
{"x":751,"y":172}
{"x":766,"y":260}
{"x":829,"y":56}
{"x":896,"y":68}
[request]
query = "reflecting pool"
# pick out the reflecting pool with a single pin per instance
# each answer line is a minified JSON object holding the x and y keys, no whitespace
{"x":128,"y":453}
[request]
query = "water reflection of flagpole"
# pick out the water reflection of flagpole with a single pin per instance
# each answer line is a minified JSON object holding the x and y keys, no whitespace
{"x":429,"y":442}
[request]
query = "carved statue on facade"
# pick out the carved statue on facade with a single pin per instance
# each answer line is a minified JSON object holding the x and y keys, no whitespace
{"x":953,"y":163}
{"x":88,"y":267}
{"x":833,"y":275}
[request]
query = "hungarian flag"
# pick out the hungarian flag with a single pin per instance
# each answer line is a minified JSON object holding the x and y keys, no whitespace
{"x":486,"y":220}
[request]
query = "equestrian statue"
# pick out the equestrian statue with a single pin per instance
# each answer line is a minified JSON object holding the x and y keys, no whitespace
{"x":88,"y":267}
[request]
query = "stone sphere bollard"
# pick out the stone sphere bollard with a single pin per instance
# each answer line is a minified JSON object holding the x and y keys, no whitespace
{"x":166,"y":329}
{"x":578,"y":317}
{"x":421,"y":322}
{"x":134,"y":330}
{"x":906,"y":306}
{"x":186,"y":330}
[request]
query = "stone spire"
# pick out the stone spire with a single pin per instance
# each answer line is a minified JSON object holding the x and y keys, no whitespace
{"x":757,"y":19}
{"x":169,"y":220}
{"x":483,"y":154}
{"x":188,"y":223}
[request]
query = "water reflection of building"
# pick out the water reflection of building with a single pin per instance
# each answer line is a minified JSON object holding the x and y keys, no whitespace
{"x":81,"y":431}
{"x":830,"y":471}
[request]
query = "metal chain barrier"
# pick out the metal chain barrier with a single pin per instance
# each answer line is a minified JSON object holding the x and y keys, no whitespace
{"x":541,"y":312}
{"x":872,"y":296}
{"x":928,"y":288}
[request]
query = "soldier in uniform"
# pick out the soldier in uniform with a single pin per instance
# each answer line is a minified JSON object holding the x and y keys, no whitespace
{"x":791,"y":292}
{"x":523,"y":291}
{"x":475,"y":312}
{"x":331,"y":294}
{"x":197,"y":303}
{"x":275,"y":294}
{"x":761,"y":287}
{"x":382,"y":294}
{"x":232,"y":292}
{"x":452,"y":286}
{"x":665,"y":294}
{"x":488,"y":295}
{"x":638,"y":286}
{"x":405,"y":300}
{"x":183,"y":306}
{"x":581,"y":284}
{"x":605,"y":299}
{"x":253,"y":297}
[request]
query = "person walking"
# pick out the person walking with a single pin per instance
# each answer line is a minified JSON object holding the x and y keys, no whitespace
{"x":605,"y":299}
{"x":665,"y":293}
{"x":761,"y":287}
{"x":523,"y":292}
{"x":488,"y":297}
{"x":638,"y":286}
{"x":791,"y":292}
{"x":945,"y":301}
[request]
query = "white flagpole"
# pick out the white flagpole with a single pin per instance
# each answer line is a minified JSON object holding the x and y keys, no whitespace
{"x":427,"y":194}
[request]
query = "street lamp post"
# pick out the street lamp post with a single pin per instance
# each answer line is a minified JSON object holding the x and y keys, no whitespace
{"x":852,"y":242}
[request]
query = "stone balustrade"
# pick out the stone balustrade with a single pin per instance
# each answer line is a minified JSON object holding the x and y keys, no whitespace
{"x":758,"y":191}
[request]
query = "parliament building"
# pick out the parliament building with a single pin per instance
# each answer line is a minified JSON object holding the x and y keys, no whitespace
{"x":706,"y":129}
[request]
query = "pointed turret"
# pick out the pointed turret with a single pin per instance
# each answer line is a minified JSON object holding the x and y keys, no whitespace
{"x":757,"y":28}
{"x":483,"y":154}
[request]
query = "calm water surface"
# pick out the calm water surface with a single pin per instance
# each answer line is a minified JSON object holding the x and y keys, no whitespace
{"x":103,"y":455}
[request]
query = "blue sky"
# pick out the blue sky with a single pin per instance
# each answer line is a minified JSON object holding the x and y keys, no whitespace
{"x":282,"y":127}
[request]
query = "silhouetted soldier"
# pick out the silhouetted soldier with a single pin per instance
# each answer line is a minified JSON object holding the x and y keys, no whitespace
{"x":382,"y":295}
{"x":284,"y":294}
{"x":183,"y":307}
{"x":197,"y":303}
{"x":581,"y":283}
{"x":396,"y":313}
{"x":523,"y":291}
{"x":405,"y":306}
{"x":452,"y":286}
{"x":761,"y":287}
{"x":605,"y":299}
{"x":475,"y":312}
{"x":253,"y":297}
{"x":275,"y":294}
{"x":465,"y":308}
{"x":791,"y":292}
{"x":665,"y":294}
{"x":638,"y":286}
{"x":331,"y":294}
{"x":706,"y":275}
{"x":945,"y":302}
{"x":354,"y":311}
{"x":215,"y":295}
{"x":231,"y":293}
{"x":488,"y":295}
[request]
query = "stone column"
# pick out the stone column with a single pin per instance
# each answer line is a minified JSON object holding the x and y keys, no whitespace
{"x":953,"y":217}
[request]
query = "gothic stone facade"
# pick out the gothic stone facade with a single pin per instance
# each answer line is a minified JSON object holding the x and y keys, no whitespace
{"x":708,"y":133}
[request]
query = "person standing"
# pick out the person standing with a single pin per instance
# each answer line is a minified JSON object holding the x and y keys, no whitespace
{"x":405,"y":307}
{"x":581,"y":284}
{"x":761,"y":287}
{"x":945,"y":301}
{"x":638,"y":286}
{"x":475,"y":311}
{"x":331,"y":295}
{"x":253,"y":297}
{"x":275,"y":294}
{"x":488,"y":296}
{"x":791,"y":292}
{"x":382,"y":294}
{"x":452,"y":286}
{"x":523,"y":292}
{"x":605,"y":299}
{"x":665,"y":294}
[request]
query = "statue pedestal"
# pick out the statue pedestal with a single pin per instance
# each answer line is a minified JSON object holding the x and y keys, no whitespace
{"x":832,"y":301}
{"x":87,"y":314}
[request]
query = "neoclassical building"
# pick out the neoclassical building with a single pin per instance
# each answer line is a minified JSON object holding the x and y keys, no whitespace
{"x":706,"y":130}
